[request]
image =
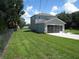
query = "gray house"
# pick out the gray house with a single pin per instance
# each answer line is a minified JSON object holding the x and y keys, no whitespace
{"x":46,"y":23}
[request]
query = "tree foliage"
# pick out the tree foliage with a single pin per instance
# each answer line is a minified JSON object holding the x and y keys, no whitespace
{"x":22,"y":22}
{"x":10,"y":10}
{"x":72,"y":20}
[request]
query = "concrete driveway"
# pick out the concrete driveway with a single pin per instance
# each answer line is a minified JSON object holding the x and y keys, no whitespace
{"x":66,"y":35}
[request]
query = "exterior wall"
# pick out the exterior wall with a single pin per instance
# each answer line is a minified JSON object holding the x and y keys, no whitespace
{"x":45,"y":28}
{"x":39,"y":27}
{"x":32,"y":25}
{"x":63,"y":28}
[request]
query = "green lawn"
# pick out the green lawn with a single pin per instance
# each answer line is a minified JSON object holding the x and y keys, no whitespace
{"x":29,"y":45}
{"x":74,"y":31}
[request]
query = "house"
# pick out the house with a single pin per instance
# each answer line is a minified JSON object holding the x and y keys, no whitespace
{"x":46,"y":23}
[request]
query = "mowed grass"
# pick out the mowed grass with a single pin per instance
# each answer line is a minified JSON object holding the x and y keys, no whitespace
{"x":74,"y":31}
{"x":25,"y":44}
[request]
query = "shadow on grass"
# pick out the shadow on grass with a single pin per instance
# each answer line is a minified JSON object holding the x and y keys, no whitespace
{"x":4,"y":39}
{"x":28,"y":30}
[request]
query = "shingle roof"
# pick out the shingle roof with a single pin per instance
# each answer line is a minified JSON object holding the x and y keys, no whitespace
{"x":44,"y":14}
{"x":53,"y":21}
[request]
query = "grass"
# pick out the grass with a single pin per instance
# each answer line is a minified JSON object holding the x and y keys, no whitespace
{"x":74,"y":31}
{"x":29,"y":45}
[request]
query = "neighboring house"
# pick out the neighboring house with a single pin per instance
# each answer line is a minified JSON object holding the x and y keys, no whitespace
{"x":46,"y":23}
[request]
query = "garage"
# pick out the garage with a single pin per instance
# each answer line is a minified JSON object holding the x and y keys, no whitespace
{"x":54,"y":28}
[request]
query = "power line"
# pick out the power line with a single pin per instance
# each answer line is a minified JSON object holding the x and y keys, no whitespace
{"x":40,"y":5}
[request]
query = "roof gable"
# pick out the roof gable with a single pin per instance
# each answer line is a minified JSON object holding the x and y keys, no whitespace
{"x":55,"y":21}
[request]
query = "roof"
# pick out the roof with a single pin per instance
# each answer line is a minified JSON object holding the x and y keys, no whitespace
{"x":51,"y":21}
{"x":55,"y":21}
{"x":43,"y":14}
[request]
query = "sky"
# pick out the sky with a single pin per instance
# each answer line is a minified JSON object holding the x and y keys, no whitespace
{"x":52,"y":7}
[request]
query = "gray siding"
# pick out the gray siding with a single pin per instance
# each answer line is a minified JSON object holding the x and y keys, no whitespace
{"x":32,"y":23}
{"x":38,"y":27}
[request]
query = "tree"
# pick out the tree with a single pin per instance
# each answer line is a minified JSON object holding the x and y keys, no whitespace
{"x":2,"y":21}
{"x":11,"y":9}
{"x":75,"y":17}
{"x":22,"y":22}
{"x":72,"y":20}
{"x":66,"y":18}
